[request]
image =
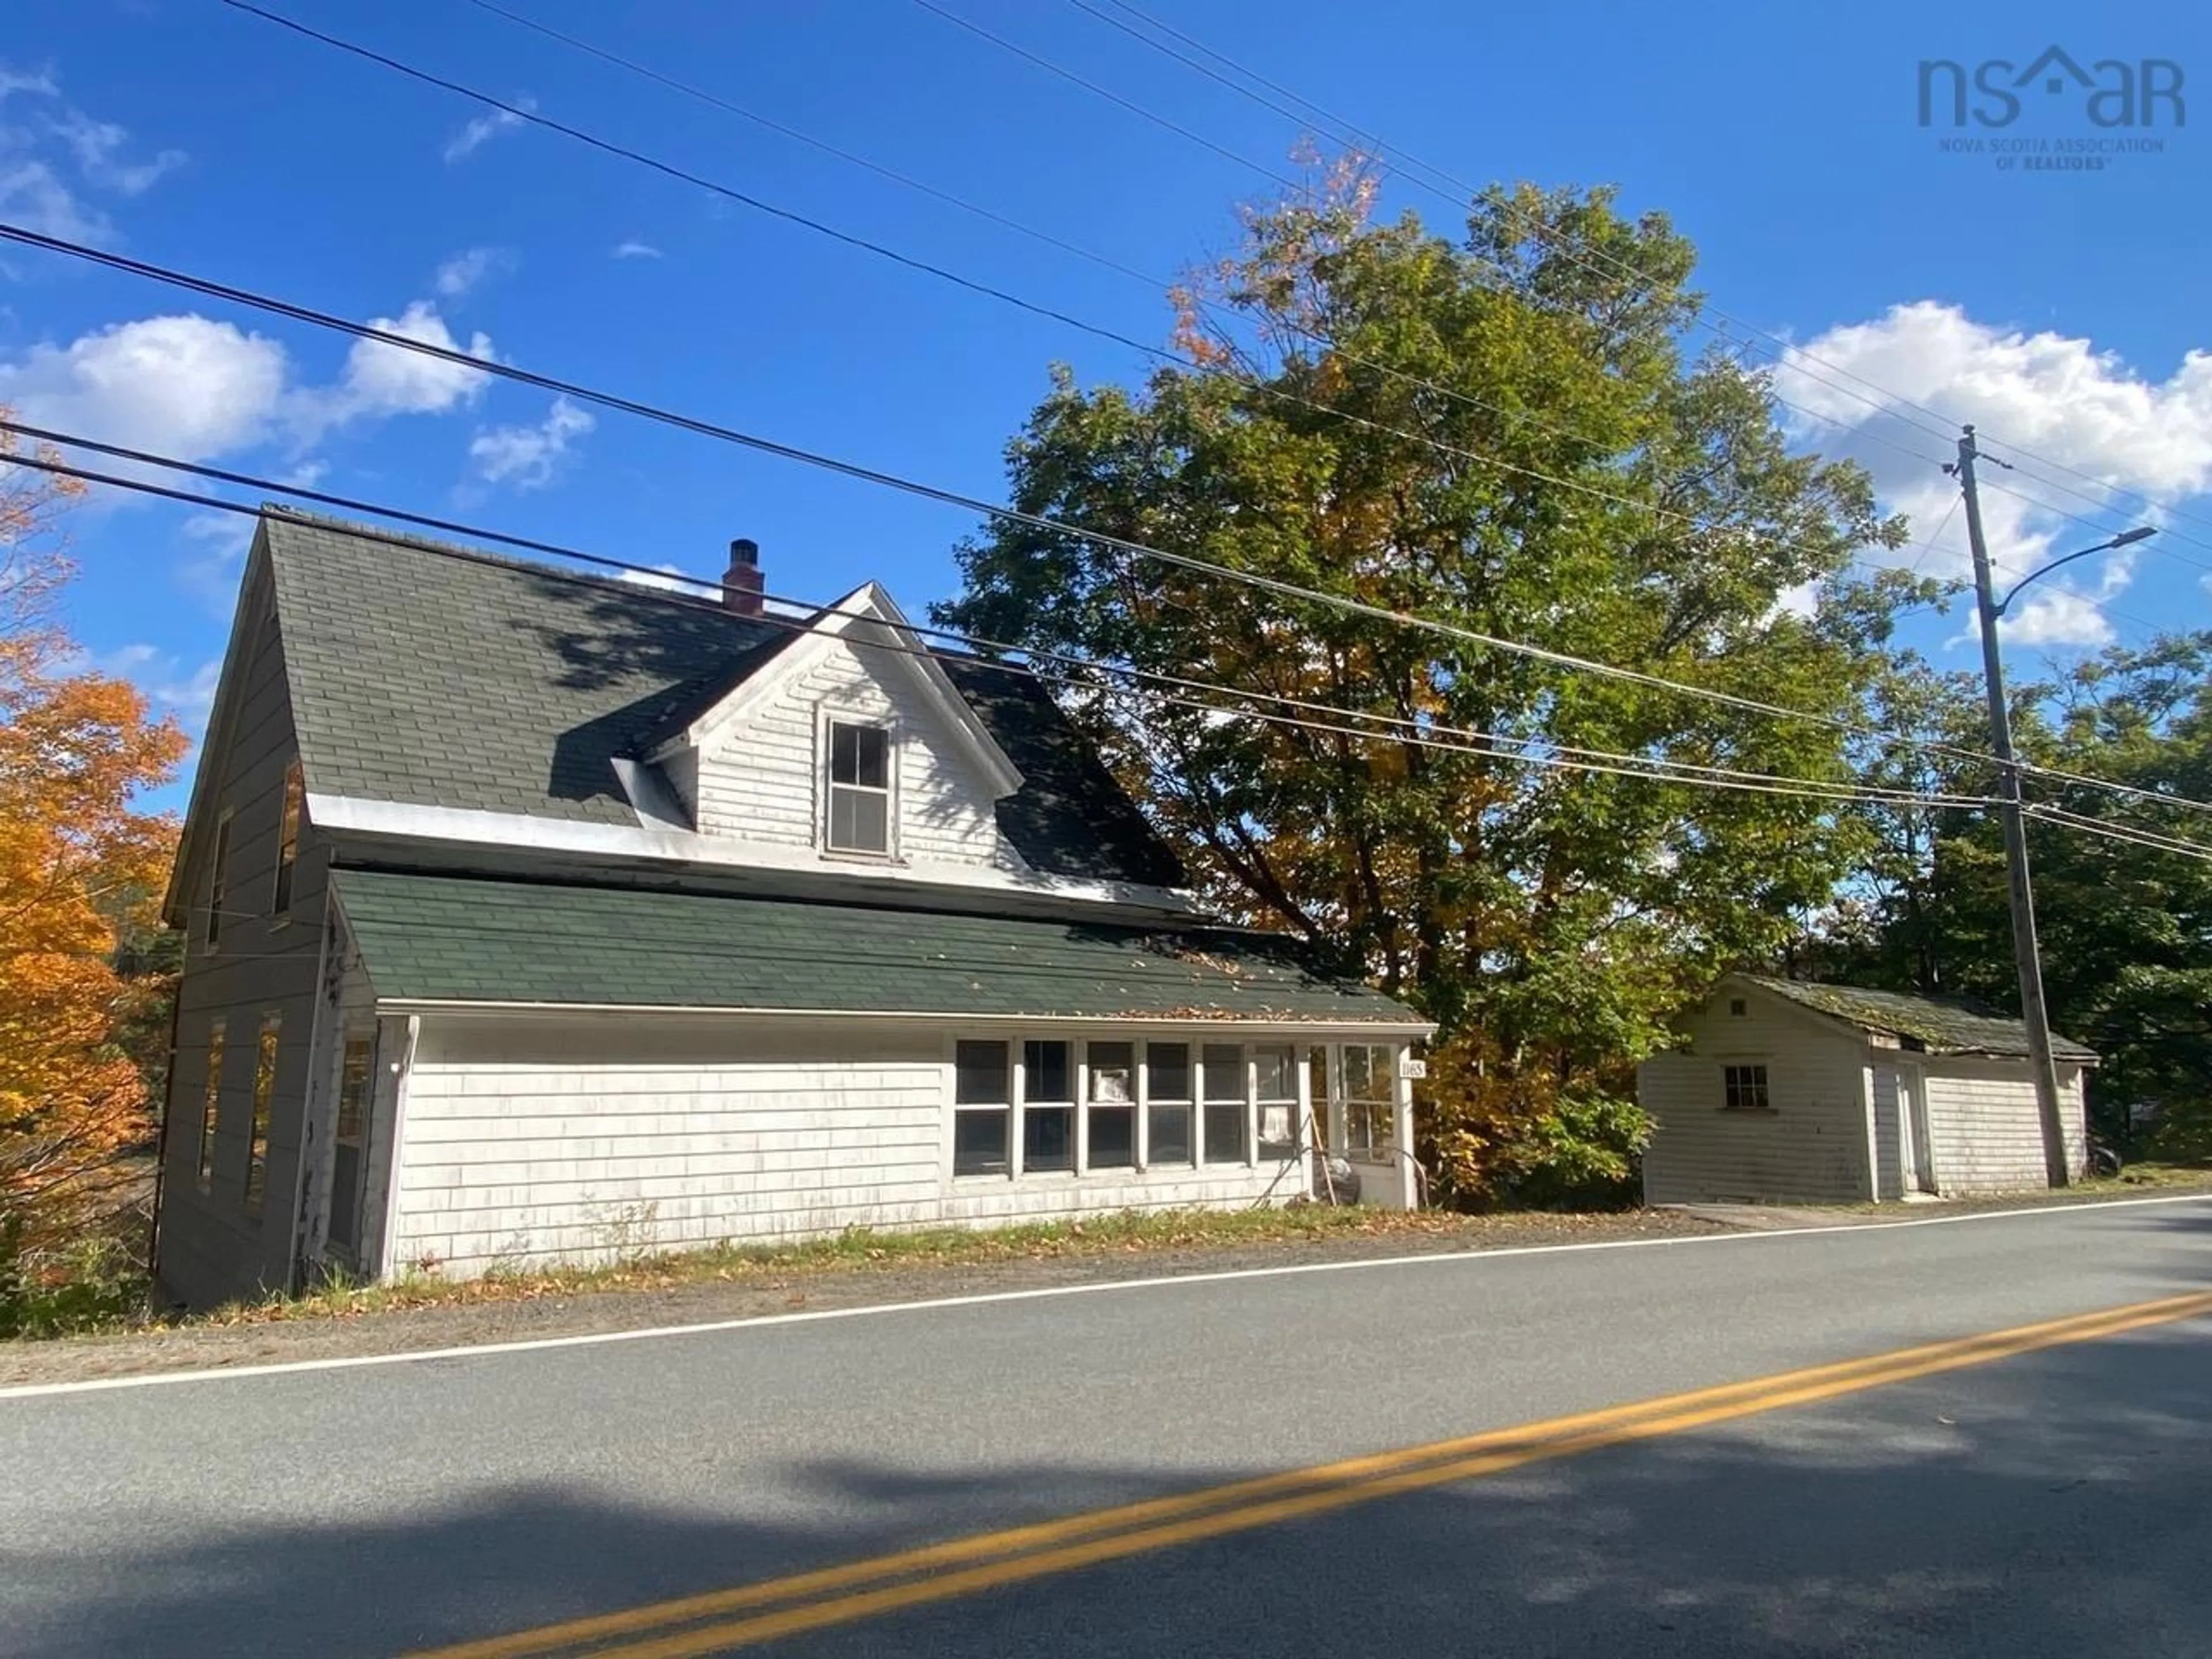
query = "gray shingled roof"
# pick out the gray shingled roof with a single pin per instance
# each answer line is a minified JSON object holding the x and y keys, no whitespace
{"x":444,"y":677}
{"x":461,"y":939}
{"x":1943,"y":1025}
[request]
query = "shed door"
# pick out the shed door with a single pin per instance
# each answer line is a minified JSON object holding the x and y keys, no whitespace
{"x":1915,"y":1168}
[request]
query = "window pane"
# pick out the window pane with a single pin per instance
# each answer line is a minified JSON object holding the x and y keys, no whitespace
{"x":1275,"y":1139}
{"x":353,"y":1091}
{"x":981,"y":1076}
{"x":1112,"y":1137}
{"x":288,"y":839}
{"x":1048,"y":1138}
{"x":1048,"y":1071}
{"x":217,"y":884}
{"x":874,"y":759}
{"x":979,"y":1141}
{"x":1113,"y":1071}
{"x":264,"y":1091}
{"x":210,"y":1103}
{"x":1168,"y":1129}
{"x":860,"y":755}
{"x":1167,"y":1071}
{"x":1358,"y":1080}
{"x":1224,"y":1131}
{"x":1224,"y":1072}
{"x":859,"y":820}
{"x":1278,"y":1070}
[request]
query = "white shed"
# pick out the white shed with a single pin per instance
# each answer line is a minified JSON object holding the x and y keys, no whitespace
{"x":1787,"y":1091}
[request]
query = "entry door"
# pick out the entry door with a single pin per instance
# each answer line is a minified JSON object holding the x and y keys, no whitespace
{"x":349,"y":1162}
{"x":1919,"y":1167}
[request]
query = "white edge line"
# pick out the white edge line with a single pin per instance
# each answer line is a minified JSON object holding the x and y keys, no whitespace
{"x":595,"y":1338}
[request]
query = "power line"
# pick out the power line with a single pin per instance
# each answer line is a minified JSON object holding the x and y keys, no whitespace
{"x":1794,"y":355}
{"x":1418,"y":733}
{"x":1100,"y":331}
{"x":955,"y":498}
{"x":1458,"y":195}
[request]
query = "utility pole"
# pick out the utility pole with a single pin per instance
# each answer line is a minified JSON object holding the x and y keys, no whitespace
{"x":2015,"y":838}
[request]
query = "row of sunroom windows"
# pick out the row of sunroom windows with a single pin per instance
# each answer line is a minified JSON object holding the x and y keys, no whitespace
{"x":1082,"y":1106}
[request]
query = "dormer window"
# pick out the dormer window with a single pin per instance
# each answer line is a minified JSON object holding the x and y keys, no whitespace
{"x":860,"y":789}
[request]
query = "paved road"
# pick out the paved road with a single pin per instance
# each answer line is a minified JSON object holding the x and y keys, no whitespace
{"x":2050,"y":1503}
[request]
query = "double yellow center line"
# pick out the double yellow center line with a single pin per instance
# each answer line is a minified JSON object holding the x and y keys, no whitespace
{"x":722,"y":1621}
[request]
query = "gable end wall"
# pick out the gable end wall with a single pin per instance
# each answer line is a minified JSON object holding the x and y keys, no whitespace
{"x":209,"y":1249}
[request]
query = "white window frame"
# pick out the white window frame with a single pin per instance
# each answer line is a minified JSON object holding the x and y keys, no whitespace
{"x":1081,"y":1042}
{"x":825,"y":752}
{"x":1765,"y":1086}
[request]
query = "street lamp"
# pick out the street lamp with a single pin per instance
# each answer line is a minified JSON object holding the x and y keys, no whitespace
{"x":2125,"y":539}
{"x":2030,"y":961}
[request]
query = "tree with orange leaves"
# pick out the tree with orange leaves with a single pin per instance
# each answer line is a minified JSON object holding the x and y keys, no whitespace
{"x":78,"y":868}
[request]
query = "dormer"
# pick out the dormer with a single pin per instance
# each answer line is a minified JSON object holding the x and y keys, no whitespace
{"x":846,"y":739}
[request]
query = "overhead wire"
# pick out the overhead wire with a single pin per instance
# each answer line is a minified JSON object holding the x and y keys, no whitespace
{"x":1511,"y":747}
{"x":1343,"y":602}
{"x":1458,"y":191}
{"x":1480,"y":457}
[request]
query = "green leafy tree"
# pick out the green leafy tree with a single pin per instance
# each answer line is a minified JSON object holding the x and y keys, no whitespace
{"x":1500,"y":433}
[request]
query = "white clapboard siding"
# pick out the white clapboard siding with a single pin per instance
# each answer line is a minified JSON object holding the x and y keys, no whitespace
{"x":761,"y":781}
{"x":1987,"y":1134}
{"x":529,"y":1144}
{"x":1813,"y":1146}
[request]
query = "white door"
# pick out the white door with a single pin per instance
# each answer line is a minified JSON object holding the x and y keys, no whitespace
{"x":1918,"y":1167}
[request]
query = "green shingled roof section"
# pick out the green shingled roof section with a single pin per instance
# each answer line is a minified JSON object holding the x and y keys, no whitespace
{"x":456,"y":939}
{"x":439,"y":676}
{"x":1944,"y":1025}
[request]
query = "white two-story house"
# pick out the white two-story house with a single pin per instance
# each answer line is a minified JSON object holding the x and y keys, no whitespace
{"x":535,"y":918}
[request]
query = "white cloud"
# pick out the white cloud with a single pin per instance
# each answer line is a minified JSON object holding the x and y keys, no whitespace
{"x":529,"y":457}
{"x":181,"y":386}
{"x":457,"y":275}
{"x":382,"y":379}
{"x":44,"y":139}
{"x":98,"y":146}
{"x":634,"y":250}
{"x":169,"y":687}
{"x":482,"y":129}
{"x":32,"y":195}
{"x":2055,"y":397}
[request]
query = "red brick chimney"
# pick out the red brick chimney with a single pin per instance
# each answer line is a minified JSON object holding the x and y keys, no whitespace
{"x":741,"y":582}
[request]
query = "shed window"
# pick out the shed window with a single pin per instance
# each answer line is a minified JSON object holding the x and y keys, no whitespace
{"x":860,"y":789}
{"x":1224,"y":1102}
{"x":288,"y":841}
{"x":982,"y":1097}
{"x":1738,"y":1008}
{"x":1743,"y":1089}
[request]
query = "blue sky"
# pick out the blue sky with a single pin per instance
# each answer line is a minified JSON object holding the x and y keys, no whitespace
{"x":2062,"y":311}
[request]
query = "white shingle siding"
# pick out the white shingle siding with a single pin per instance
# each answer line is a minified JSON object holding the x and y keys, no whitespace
{"x":1837,"y":1131}
{"x":760,"y":780}
{"x":1814,"y":1146}
{"x":529,"y":1143}
{"x":1987,"y":1134}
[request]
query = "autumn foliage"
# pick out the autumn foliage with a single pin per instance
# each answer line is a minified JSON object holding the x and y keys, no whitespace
{"x":79,"y":871}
